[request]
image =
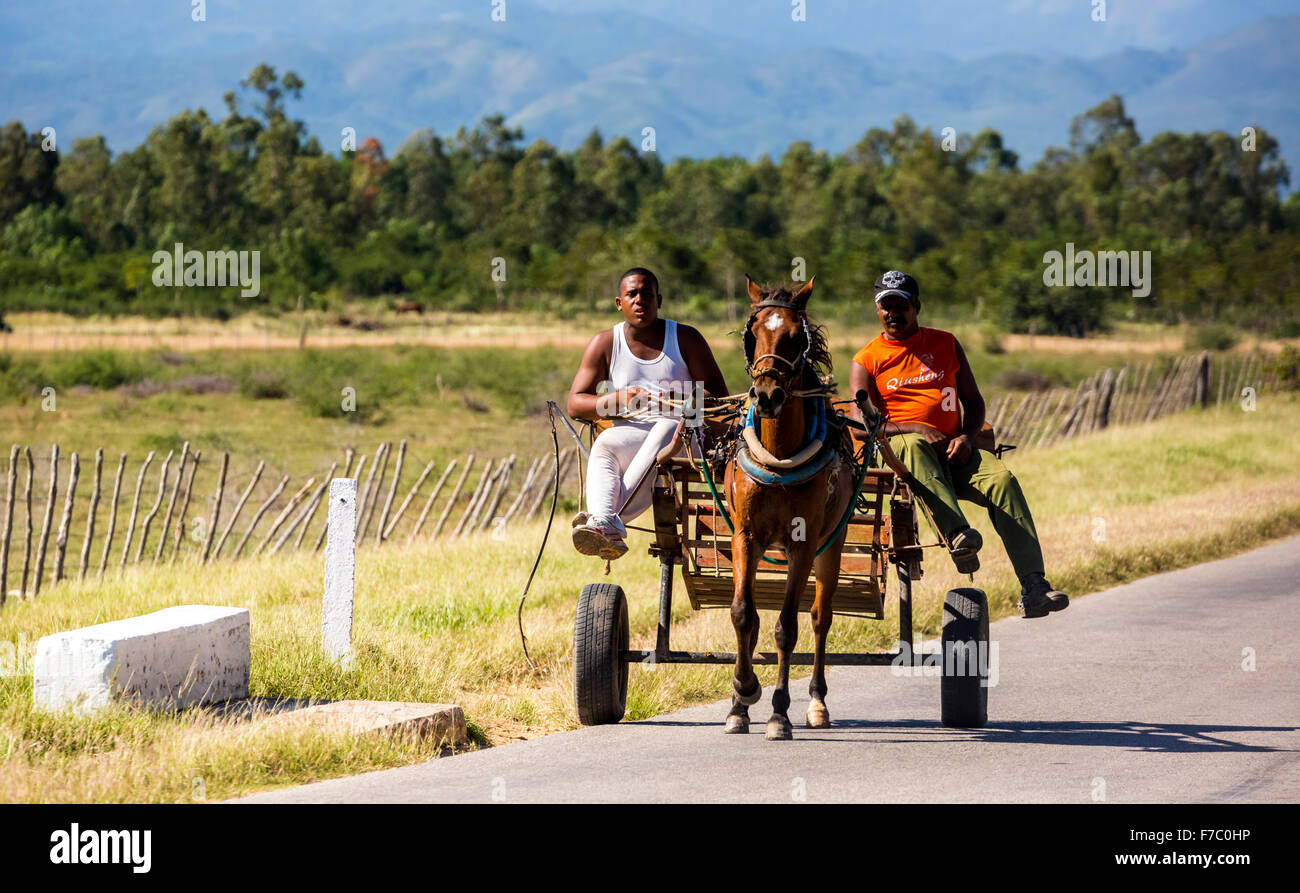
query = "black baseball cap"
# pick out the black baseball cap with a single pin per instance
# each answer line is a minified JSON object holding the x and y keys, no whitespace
{"x":896,"y":282}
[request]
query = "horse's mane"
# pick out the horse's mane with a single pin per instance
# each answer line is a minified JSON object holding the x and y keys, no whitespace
{"x":819,"y":352}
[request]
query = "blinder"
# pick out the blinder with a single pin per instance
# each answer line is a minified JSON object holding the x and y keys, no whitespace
{"x":751,"y":342}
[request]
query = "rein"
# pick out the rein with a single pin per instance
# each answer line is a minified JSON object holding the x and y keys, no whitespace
{"x":552,"y":409}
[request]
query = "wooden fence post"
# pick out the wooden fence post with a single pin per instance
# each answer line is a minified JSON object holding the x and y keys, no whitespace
{"x":294,"y":501}
{"x":27,"y":498}
{"x":397,"y":516}
{"x":464,"y":472}
{"x":1011,"y":431}
{"x":112,"y":516}
{"x":392,"y":492}
{"x":311,"y":508}
{"x":185,"y":507}
{"x":1101,"y":407}
{"x":48,"y":520}
{"x":474,"y":499}
{"x":239,"y":507}
{"x":498,"y":494}
{"x":1201,"y":393}
{"x":550,"y":483}
{"x":61,"y":540}
{"x":373,"y":497}
{"x":171,"y":505}
{"x":215,"y":517}
{"x":523,"y":491}
{"x":148,"y":519}
{"x":258,"y":517}
{"x":424,"y":513}
{"x":363,"y":500}
{"x":135,"y":507}
{"x":11,"y":485}
{"x":90,"y":516}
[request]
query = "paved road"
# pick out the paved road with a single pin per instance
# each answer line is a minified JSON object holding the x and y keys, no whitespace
{"x":1137,"y":693}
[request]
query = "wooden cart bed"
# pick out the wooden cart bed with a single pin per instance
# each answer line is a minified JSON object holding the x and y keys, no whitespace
{"x":685,"y":515}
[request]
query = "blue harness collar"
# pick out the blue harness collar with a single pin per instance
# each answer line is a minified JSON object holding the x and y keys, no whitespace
{"x":784,"y":477}
{"x":787,"y":477}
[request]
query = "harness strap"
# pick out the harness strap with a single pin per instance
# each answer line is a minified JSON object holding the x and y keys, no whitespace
{"x":839,"y":528}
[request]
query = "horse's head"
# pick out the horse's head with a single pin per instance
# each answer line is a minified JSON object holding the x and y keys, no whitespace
{"x":777,"y":342}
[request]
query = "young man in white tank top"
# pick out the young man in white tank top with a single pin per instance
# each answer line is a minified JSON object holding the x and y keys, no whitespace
{"x":638,"y":360}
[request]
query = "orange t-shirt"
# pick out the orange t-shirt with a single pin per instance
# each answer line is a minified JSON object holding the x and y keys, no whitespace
{"x":917,"y":378}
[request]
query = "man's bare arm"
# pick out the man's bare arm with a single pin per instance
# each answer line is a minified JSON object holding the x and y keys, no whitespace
{"x":972,"y":404}
{"x":972,"y":401}
{"x":593,"y":369}
{"x":699,"y":359}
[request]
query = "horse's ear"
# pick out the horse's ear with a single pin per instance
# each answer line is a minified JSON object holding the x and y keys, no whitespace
{"x":755,"y":292}
{"x":802,"y":295}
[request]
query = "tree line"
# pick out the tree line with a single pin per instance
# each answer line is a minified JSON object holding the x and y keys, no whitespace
{"x":482,"y":219}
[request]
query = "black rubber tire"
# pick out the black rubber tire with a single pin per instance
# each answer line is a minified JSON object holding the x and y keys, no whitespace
{"x":964,"y":696}
{"x":600,"y":636}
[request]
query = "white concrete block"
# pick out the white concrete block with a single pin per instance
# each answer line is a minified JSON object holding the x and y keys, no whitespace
{"x":177,"y":657}
{"x":441,"y":722}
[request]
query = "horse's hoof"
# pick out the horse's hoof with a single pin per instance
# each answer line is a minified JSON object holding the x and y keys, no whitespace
{"x":818,"y":716}
{"x":737,"y":725}
{"x":778,"y":729}
{"x":753,"y":697}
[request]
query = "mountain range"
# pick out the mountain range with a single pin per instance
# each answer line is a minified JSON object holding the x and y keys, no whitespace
{"x":709,"y":84}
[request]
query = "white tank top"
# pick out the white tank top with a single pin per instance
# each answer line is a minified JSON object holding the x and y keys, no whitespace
{"x":666,"y":373}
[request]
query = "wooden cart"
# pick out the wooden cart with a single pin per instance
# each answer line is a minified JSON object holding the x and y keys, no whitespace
{"x":690,"y":534}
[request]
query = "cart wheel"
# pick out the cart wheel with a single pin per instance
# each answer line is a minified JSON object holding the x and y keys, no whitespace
{"x":963,"y":691}
{"x":600,"y":636}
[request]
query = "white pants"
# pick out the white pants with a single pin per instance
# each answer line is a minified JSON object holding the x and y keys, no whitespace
{"x":620,"y":463}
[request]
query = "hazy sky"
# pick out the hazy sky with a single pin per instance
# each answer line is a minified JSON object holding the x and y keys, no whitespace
{"x":960,"y":28}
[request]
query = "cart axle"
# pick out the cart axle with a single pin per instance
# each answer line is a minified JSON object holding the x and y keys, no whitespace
{"x":804,"y":659}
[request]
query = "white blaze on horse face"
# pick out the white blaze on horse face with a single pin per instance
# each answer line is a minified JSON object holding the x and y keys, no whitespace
{"x":774,"y":322}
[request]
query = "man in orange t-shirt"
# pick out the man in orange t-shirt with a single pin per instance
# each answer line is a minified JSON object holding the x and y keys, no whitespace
{"x":920,"y":379}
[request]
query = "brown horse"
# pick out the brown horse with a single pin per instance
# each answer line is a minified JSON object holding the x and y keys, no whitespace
{"x":786,"y":357}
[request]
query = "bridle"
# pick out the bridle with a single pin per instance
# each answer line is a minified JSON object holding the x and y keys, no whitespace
{"x":796,"y":367}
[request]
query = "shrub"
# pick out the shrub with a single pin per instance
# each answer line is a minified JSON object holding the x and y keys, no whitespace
{"x":991,"y":339}
{"x":1288,"y":329}
{"x":103,"y":369}
{"x":1021,"y":380}
{"x":204,"y":384}
{"x":264,"y":384}
{"x":1286,"y":368}
{"x":1212,"y":337}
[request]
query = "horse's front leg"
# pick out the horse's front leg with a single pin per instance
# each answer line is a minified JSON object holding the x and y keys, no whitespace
{"x":827,"y":568}
{"x":787,"y":636}
{"x":744,"y":618}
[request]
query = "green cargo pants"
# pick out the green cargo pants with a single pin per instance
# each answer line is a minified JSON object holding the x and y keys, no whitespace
{"x":983,"y":480}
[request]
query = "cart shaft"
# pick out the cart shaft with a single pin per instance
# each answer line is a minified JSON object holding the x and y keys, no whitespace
{"x":877,"y":659}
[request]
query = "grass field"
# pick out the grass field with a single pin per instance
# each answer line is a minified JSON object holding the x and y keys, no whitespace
{"x":436,"y":622}
{"x":285,"y":407}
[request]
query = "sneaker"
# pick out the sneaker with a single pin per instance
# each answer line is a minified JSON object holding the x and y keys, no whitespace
{"x":598,"y":537}
{"x":964,"y":546}
{"x":1038,"y":598}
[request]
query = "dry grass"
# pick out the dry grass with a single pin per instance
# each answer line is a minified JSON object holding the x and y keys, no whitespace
{"x":42,"y":331}
{"x":437,"y":622}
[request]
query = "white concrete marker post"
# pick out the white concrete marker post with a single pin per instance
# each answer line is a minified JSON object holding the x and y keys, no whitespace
{"x":340,"y":570}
